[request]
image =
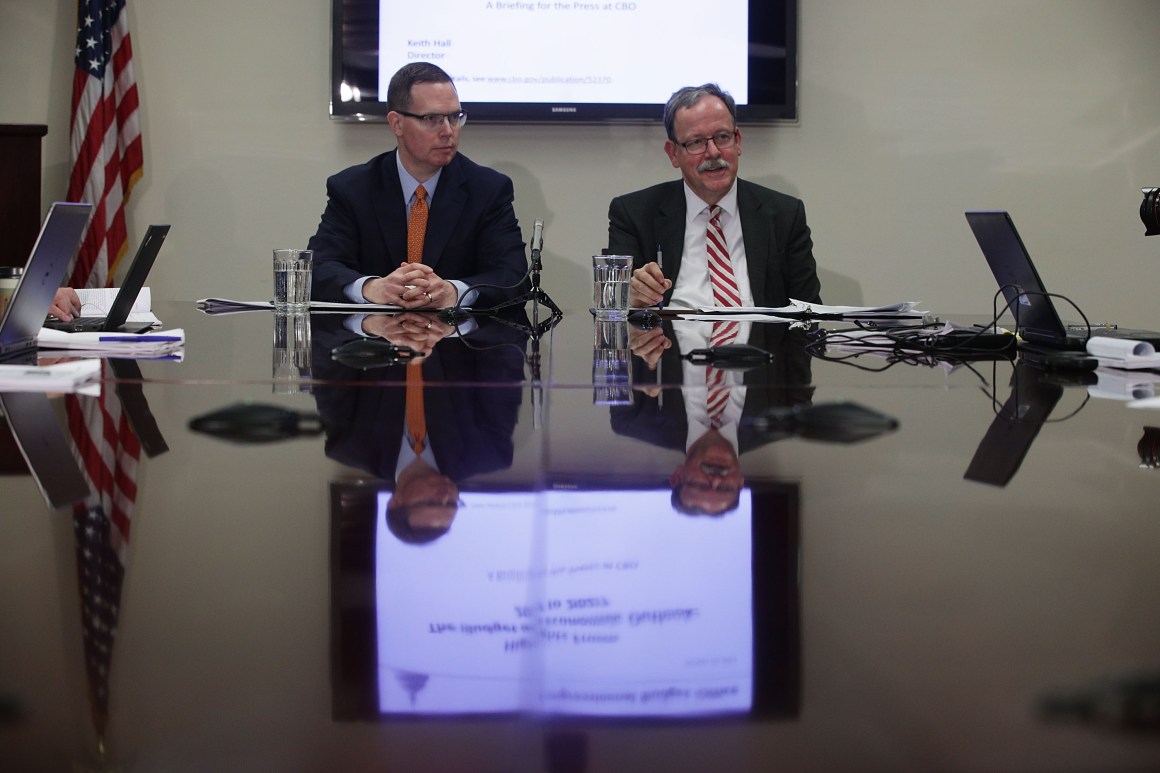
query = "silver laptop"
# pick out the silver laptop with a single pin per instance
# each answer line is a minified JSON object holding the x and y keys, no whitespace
{"x":56,"y":246}
{"x":126,"y":296}
{"x":1037,"y":320}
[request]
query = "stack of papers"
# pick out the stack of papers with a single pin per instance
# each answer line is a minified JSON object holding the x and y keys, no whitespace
{"x":1123,"y":353}
{"x":156,"y":344}
{"x":96,"y":302}
{"x":227,"y":306}
{"x":797,"y":310}
{"x":77,"y":376}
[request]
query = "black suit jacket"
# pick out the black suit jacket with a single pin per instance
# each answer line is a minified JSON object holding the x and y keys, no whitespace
{"x":663,"y":420}
{"x":472,"y":232}
{"x":778,"y":247}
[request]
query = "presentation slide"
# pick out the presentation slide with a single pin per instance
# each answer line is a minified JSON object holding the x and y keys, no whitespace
{"x":592,"y":603}
{"x":564,"y":51}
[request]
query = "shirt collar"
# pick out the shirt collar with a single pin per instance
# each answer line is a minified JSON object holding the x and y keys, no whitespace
{"x":409,"y":183}
{"x":694,"y":206}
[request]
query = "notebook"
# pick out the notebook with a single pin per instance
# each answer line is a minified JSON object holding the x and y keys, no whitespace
{"x":1037,"y":320}
{"x":50,"y":460}
{"x":130,"y":289}
{"x":56,"y":246}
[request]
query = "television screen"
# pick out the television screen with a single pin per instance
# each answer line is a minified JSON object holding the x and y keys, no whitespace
{"x":577,"y":61}
{"x":600,"y":601}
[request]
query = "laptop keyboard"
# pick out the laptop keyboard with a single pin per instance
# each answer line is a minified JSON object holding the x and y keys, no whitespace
{"x":77,"y":324}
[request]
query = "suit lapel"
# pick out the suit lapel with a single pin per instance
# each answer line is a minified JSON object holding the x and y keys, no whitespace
{"x":669,"y":227}
{"x":392,"y":214}
{"x":757,"y":233}
{"x":446,"y":209}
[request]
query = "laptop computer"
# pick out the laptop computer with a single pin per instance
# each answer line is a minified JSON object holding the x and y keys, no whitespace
{"x":56,"y":246}
{"x":46,"y":451}
{"x":1037,"y":320}
{"x":126,"y":296}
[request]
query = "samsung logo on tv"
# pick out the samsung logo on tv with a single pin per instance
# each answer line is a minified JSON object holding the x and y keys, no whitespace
{"x":563,"y":110}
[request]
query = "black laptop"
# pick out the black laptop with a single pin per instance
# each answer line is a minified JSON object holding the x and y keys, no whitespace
{"x":56,"y":246}
{"x":126,"y":296}
{"x":1037,"y":320}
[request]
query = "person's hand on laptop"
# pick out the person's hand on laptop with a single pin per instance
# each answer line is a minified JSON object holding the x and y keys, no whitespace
{"x":65,"y":304}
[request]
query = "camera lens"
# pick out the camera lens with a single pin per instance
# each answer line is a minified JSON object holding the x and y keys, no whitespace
{"x":1150,"y":211}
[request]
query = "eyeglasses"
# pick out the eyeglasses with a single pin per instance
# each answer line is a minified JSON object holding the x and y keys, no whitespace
{"x":435,"y":121}
{"x":721,"y":139}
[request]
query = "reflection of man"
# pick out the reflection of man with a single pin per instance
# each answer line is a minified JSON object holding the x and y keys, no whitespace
{"x":469,"y":391}
{"x":471,"y":233}
{"x":766,"y":241}
{"x":709,"y":481}
{"x":704,"y":410}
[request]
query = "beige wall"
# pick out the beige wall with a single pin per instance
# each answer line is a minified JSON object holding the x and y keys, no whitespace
{"x":911,"y":112}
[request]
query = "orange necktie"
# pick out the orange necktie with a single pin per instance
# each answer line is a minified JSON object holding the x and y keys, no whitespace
{"x":417,"y":226}
{"x":416,"y":418}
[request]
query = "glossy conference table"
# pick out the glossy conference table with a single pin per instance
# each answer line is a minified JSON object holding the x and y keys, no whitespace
{"x":868,"y":605}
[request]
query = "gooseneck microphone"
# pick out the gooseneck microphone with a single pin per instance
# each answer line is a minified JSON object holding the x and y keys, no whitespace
{"x":537,"y":243}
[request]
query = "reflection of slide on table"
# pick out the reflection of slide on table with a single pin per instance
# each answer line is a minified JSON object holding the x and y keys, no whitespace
{"x":565,"y":51}
{"x":601,"y":603}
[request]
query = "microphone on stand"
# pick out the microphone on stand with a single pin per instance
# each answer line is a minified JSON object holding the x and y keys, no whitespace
{"x":537,"y":245}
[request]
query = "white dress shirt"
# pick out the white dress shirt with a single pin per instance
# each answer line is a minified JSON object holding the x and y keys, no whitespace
{"x":693,"y":288}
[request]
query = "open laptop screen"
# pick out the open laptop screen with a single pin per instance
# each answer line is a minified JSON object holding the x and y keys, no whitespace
{"x":1035,"y":314}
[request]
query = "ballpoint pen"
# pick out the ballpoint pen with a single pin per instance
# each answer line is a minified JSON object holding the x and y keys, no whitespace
{"x":661,"y":302}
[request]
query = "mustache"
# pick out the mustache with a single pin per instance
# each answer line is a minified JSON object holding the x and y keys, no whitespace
{"x":712,"y":164}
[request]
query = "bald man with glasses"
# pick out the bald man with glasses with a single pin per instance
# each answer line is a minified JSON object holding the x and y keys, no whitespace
{"x":676,"y":229}
{"x":468,"y":235}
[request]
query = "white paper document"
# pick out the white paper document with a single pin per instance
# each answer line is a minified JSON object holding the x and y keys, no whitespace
{"x":155,"y":343}
{"x":1123,"y":353}
{"x":228,"y":306}
{"x":798,"y":309}
{"x":96,"y":302}
{"x":61,"y":377}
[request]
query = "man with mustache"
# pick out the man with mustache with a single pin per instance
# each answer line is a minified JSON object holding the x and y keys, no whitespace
{"x":373,"y":216}
{"x":666,"y":227}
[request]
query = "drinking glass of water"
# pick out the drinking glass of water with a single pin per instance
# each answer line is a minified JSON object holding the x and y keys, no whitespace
{"x":292,"y":270}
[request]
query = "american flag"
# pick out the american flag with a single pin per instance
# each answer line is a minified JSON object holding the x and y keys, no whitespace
{"x":108,"y":451}
{"x":104,"y":138}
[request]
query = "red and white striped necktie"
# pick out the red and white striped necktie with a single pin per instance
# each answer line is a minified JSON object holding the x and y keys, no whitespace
{"x":717,"y":391}
{"x":725,"y":291}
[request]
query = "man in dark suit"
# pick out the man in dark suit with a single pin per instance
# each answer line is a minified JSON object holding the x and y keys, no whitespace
{"x":471,"y":235}
{"x":664,"y":227}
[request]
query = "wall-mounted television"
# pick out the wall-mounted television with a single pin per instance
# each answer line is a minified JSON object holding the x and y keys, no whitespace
{"x":569,"y":61}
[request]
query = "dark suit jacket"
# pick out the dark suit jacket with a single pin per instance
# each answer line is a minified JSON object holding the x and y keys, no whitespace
{"x":472,"y":232}
{"x":470,"y":426}
{"x":663,"y":420}
{"x":778,"y":247}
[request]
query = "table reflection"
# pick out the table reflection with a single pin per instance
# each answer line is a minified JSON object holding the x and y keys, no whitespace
{"x":580,"y":597}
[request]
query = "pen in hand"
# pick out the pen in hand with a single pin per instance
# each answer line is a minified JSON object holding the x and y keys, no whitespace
{"x":660,"y":263}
